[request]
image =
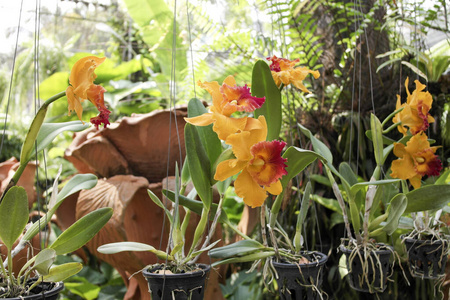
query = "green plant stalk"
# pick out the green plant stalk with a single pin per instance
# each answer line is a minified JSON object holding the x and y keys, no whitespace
{"x":391,"y":127}
{"x":276,"y":206}
{"x":34,"y":285}
{"x":213,"y":227}
{"x":371,"y":190}
{"x":185,"y":222}
{"x":237,"y":231}
{"x":25,"y":267}
{"x":301,"y":217}
{"x":30,"y":140}
{"x":10,"y":266}
{"x":3,"y":266}
{"x":341,"y":202}
{"x":199,"y":231}
{"x":388,"y":118}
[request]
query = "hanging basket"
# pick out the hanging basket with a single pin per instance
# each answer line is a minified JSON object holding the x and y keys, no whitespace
{"x":44,"y":290}
{"x":368,"y":274}
{"x":301,"y":281}
{"x":427,"y":258}
{"x":181,"y":286}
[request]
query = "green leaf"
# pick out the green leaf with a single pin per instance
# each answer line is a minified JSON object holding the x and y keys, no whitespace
{"x":158,"y":202}
{"x":82,"y":231}
{"x":318,"y":146}
{"x":264,"y":86}
{"x":240,"y":248}
{"x":361,"y":185}
{"x":247,"y":258}
{"x":297,"y":160}
{"x":377,"y":138}
{"x":302,"y":216}
{"x":444,"y":178}
{"x":388,"y":62}
{"x":30,"y":138}
{"x":44,"y":261}
{"x":54,"y":84}
{"x":428,"y":198}
{"x":62,"y":272}
{"x":196,"y":206}
{"x":415,"y":69}
{"x":208,"y":137}
{"x":198,"y":252}
{"x":199,"y":164}
{"x":114,"y":248}
{"x":155,"y":21}
{"x":13,"y":215}
{"x":49,"y":131}
{"x":386,"y":140}
{"x":331,"y":204}
{"x":75,"y":184}
{"x":354,"y":216}
{"x":346,"y":171}
{"x":395,"y":210}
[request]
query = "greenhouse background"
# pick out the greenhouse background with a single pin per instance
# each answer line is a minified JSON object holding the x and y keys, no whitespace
{"x":159,"y":55}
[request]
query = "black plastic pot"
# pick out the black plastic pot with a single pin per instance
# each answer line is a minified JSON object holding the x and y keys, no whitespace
{"x":376,"y":266}
{"x":182,"y":286}
{"x":44,"y":290}
{"x":301,"y":281}
{"x":426,"y":258}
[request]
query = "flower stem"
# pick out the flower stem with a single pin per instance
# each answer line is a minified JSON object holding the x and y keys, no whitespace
{"x":391,"y":116}
{"x":392,"y":127}
{"x":30,"y":140}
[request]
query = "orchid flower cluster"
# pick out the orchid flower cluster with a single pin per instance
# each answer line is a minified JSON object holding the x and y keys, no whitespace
{"x":259,"y":162}
{"x":417,"y":158}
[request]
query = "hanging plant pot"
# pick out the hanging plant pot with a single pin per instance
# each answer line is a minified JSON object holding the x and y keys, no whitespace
{"x":427,"y":258}
{"x":44,"y":290}
{"x":181,"y":286}
{"x":368,"y":273}
{"x":301,"y":281}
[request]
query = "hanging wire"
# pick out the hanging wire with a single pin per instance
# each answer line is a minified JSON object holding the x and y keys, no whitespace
{"x":353,"y":90}
{"x":190,"y":47}
{"x":36,"y":94}
{"x":11,"y":77}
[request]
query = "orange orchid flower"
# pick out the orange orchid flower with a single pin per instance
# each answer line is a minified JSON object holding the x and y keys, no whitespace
{"x":415,"y":113}
{"x":283,"y":71}
{"x":227,"y":99}
{"x":416,"y":159}
{"x":82,"y":87}
{"x":259,"y":162}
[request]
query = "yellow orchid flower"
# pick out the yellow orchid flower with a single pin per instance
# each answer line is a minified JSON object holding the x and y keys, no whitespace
{"x":415,"y":113}
{"x":259,"y":162}
{"x":82,"y":87}
{"x":283,"y":71}
{"x":227,"y":99}
{"x":416,"y":159}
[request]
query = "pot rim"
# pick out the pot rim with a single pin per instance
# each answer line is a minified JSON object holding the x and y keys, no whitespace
{"x":323,"y":258}
{"x":428,"y":242}
{"x":204,"y":270}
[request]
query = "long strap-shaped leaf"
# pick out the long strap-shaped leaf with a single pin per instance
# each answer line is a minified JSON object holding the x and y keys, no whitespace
{"x":82,"y":231}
